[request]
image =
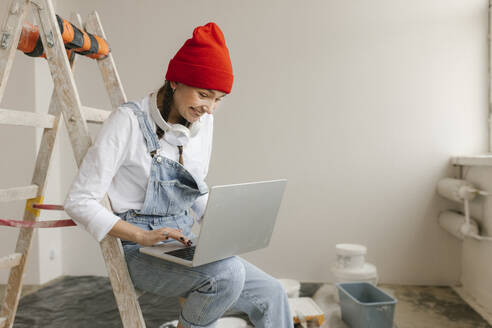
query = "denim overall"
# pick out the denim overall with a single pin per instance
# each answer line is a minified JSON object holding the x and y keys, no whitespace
{"x":171,"y":190}
{"x":231,"y":284}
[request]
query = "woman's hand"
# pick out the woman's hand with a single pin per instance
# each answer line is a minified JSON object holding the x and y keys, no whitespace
{"x":151,"y":237}
{"x":128,"y":231}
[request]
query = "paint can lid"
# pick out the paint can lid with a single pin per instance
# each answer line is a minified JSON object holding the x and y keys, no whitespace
{"x":350,"y":249}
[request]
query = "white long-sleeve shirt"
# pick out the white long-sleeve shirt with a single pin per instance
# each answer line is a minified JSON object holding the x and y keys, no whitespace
{"x":118,"y":163}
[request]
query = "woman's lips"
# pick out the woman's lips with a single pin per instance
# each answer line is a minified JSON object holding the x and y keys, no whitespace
{"x":195,"y":112}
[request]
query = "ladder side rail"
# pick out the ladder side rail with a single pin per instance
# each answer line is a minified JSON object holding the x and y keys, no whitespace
{"x":92,"y":115}
{"x":9,"y":39}
{"x":110,"y":75}
{"x":63,"y":80}
{"x":121,"y":283}
{"x":111,"y":248}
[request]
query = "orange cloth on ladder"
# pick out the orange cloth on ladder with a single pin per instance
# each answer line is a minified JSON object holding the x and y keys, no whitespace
{"x":74,"y":39}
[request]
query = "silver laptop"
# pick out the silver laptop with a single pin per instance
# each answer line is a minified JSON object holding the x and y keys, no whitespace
{"x":239,"y":218}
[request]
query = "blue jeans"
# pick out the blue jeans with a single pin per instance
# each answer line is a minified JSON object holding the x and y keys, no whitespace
{"x":212,"y":289}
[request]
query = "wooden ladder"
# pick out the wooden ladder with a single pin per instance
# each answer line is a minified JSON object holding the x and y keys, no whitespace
{"x":65,"y":102}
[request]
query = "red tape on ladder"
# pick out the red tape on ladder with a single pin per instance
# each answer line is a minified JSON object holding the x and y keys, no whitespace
{"x":48,"y":207}
{"x":38,"y":224}
{"x":30,"y":205}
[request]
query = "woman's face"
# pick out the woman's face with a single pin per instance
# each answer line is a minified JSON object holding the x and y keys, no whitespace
{"x":191,"y":103}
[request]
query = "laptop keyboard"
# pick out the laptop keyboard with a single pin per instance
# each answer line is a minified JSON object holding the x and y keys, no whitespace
{"x":184,"y":253}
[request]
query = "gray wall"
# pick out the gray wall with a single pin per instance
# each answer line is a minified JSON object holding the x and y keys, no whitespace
{"x":358,"y":104}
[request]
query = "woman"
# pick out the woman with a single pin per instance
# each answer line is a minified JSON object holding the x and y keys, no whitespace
{"x":151,"y":157}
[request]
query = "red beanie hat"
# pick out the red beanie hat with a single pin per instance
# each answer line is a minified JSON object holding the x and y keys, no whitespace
{"x":203,"y":61}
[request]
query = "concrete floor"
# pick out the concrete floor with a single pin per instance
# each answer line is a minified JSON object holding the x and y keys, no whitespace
{"x":418,"y":307}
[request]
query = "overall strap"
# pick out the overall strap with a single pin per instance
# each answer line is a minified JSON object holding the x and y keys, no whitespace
{"x":149,"y":135}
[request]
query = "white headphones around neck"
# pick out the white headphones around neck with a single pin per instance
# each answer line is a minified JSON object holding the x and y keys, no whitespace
{"x":175,"y":134}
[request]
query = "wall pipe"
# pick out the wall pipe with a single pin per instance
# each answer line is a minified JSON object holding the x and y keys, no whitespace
{"x":461,"y":191}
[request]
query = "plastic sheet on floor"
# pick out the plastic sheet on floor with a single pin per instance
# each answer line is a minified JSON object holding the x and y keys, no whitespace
{"x":88,"y":301}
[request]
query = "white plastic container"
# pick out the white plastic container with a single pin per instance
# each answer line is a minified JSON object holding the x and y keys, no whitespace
{"x":367,"y":273}
{"x":228,"y":322}
{"x":291,"y":286}
{"x":350,"y":256}
{"x":232,"y":323}
{"x":351,"y":265}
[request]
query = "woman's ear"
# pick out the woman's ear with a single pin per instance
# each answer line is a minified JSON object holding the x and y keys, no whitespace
{"x":173,"y":84}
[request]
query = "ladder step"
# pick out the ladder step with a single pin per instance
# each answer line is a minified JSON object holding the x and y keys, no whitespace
{"x":10,"y":261}
{"x":18,"y":193}
{"x":95,"y":115}
{"x":16,"y":117}
{"x":3,"y":321}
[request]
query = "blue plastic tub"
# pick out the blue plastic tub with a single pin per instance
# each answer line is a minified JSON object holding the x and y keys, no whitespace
{"x":365,"y":306}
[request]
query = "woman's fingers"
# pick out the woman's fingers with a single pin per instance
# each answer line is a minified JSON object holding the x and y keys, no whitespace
{"x":179,"y":237}
{"x":175,"y":234}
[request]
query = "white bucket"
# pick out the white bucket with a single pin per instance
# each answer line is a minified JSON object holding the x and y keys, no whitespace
{"x":291,"y":286}
{"x":232,"y":323}
{"x":229,"y":322}
{"x":367,"y":273}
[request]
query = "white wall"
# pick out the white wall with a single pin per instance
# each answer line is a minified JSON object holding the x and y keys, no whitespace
{"x":359,"y":104}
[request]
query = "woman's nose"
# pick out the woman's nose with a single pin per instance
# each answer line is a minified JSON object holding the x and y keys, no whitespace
{"x":207,"y":108}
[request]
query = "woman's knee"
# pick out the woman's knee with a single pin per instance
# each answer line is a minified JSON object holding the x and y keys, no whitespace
{"x":277,"y":289}
{"x":230,"y":276}
{"x":222,"y":287}
{"x":272,"y":291}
